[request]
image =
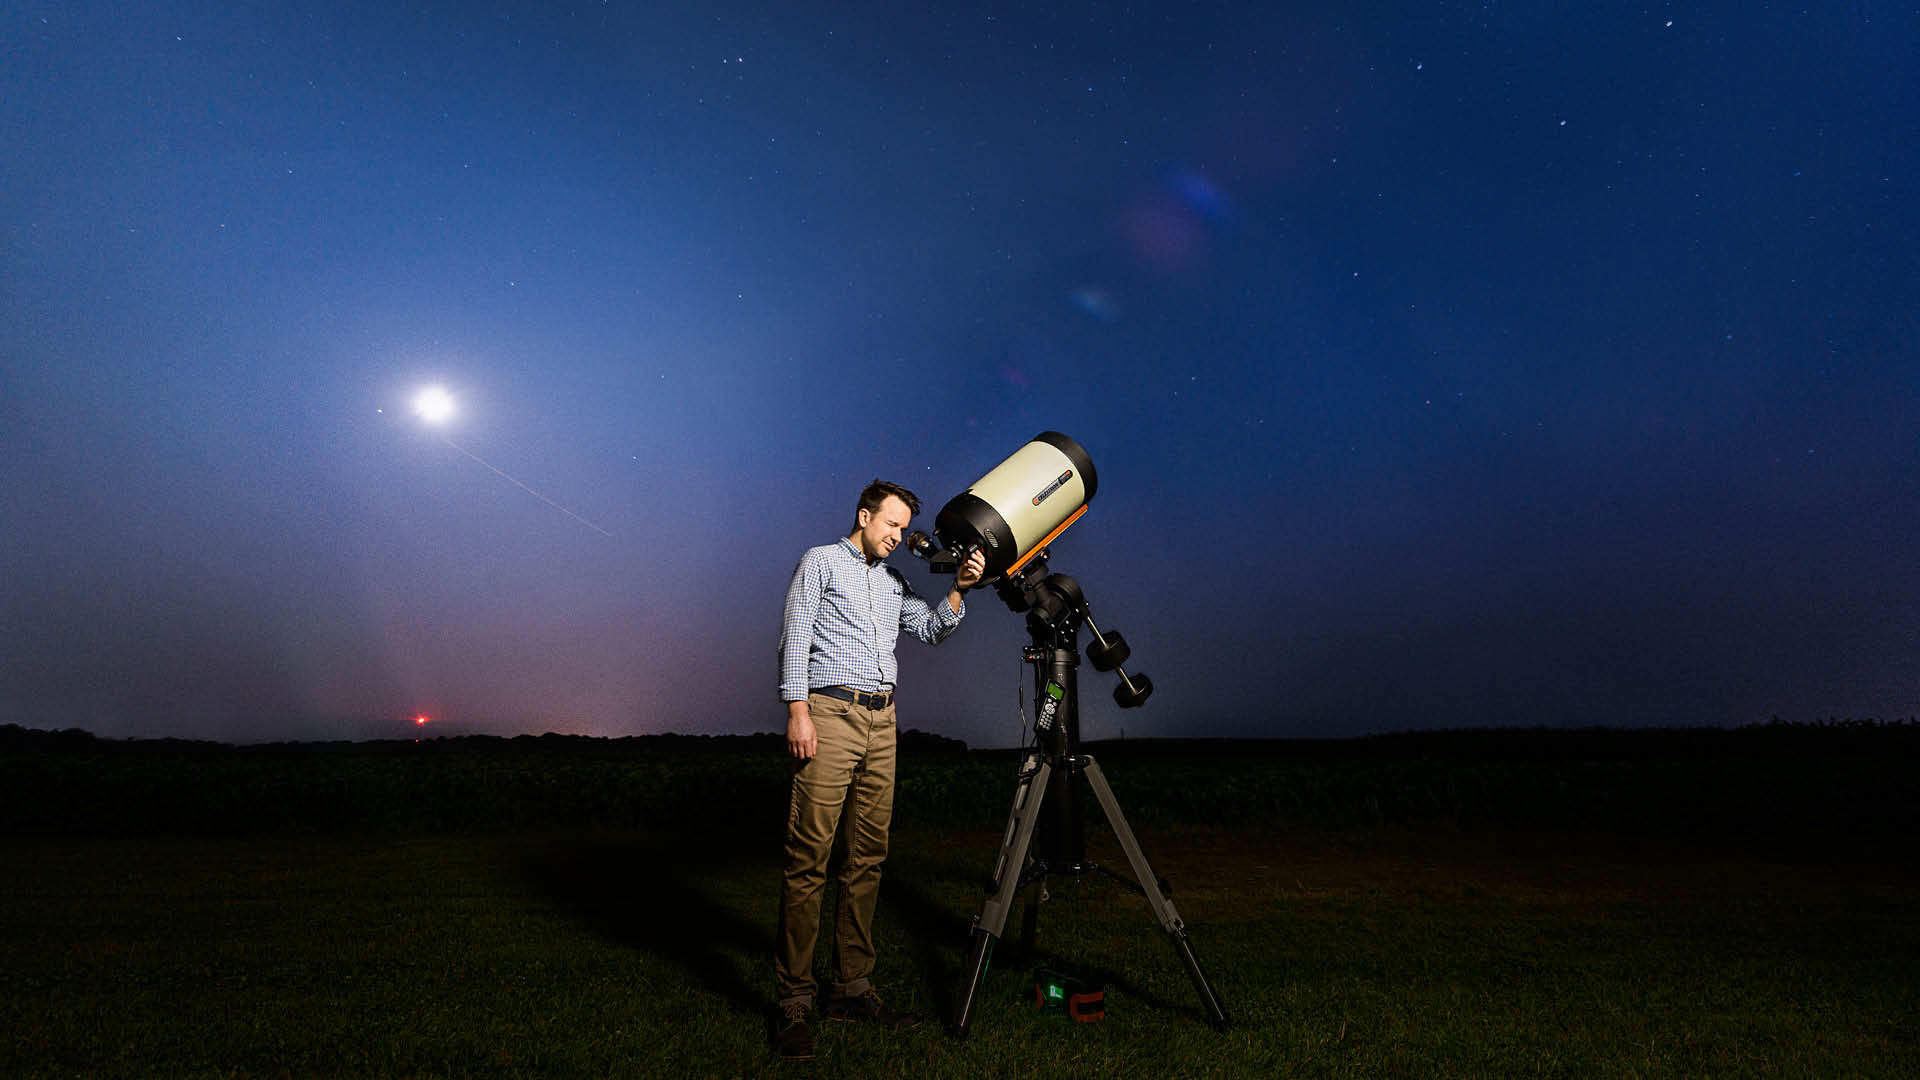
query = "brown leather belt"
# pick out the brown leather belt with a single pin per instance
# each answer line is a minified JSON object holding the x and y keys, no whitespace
{"x":858,"y":697}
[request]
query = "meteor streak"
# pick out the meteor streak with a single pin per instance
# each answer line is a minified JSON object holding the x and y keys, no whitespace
{"x":523,"y":487}
{"x":435,"y":406}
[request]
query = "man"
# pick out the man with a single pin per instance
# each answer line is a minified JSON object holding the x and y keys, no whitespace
{"x":845,"y":610}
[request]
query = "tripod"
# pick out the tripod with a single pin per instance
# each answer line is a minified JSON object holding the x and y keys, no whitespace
{"x":1047,"y":801}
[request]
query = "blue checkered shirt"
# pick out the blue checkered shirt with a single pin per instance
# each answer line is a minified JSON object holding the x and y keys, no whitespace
{"x":843,"y":617}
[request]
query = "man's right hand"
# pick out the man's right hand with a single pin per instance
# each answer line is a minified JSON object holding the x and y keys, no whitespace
{"x":801,"y":741}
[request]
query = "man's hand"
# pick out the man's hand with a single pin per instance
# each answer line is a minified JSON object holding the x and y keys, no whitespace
{"x":967,"y":578}
{"x":802,"y":743}
{"x":971,"y":573}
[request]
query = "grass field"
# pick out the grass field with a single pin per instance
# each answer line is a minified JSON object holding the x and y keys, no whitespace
{"x":1401,"y":951}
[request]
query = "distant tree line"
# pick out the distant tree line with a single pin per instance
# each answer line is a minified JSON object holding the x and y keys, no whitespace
{"x":1843,"y":777}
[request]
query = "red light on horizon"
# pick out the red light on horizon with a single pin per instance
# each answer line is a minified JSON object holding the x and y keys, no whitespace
{"x":422,"y":720}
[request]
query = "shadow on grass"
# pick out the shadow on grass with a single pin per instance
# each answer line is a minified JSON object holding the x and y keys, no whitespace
{"x":647,"y":892}
{"x":939,"y":935}
{"x":935,"y":936}
{"x":660,"y":894}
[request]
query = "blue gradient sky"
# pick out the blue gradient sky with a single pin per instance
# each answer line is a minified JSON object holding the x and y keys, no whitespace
{"x":1444,"y":365}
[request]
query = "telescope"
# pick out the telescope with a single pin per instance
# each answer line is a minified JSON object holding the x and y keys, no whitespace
{"x":1014,"y":511}
{"x":1012,"y":514}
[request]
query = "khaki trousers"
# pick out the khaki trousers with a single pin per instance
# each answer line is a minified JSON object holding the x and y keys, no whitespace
{"x":846,"y":789}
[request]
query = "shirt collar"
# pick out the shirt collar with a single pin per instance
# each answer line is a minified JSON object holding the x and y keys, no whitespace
{"x":853,"y":549}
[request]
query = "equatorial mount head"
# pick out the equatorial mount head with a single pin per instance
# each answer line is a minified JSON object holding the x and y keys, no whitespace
{"x":1056,"y":606}
{"x":1056,"y":610}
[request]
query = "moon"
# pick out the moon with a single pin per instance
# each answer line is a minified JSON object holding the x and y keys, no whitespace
{"x":433,"y":405}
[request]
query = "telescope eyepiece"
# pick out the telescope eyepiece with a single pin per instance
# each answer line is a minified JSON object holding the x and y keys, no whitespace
{"x":928,"y":549}
{"x":921,"y":545}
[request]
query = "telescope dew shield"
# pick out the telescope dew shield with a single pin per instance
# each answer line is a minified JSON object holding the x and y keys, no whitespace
{"x":1021,"y":504}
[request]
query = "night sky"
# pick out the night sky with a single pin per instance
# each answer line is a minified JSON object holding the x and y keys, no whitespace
{"x":1444,"y":364}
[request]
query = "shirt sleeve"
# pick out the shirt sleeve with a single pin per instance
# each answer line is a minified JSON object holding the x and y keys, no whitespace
{"x":930,"y":623}
{"x":796,"y":627}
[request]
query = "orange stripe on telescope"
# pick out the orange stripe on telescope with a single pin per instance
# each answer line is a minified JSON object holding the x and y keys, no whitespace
{"x":1048,"y":539}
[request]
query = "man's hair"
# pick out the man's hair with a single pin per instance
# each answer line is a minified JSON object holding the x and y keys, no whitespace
{"x":876,"y":493}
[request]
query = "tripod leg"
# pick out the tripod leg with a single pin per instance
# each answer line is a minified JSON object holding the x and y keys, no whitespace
{"x":1157,"y":898}
{"x":1007,"y":868}
{"x":1030,"y":921}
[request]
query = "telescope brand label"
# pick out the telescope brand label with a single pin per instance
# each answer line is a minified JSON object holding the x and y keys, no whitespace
{"x":1053,"y":487}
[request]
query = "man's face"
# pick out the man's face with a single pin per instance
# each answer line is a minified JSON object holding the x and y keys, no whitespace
{"x":880,"y":530}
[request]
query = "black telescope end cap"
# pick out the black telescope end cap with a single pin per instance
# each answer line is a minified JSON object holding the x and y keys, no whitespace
{"x":968,"y":520}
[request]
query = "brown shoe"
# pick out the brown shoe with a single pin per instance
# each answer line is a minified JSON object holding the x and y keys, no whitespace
{"x":793,"y":1039}
{"x":867,"y":1009}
